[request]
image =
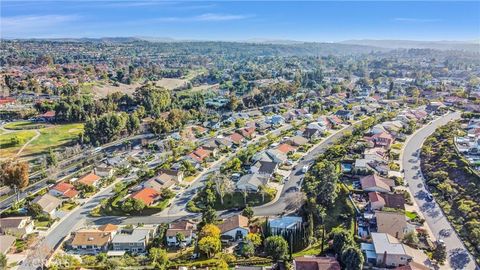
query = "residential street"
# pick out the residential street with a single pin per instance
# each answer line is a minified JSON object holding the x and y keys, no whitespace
{"x":295,"y":178}
{"x":458,"y":257}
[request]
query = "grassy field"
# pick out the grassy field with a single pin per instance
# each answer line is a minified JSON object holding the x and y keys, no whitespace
{"x":51,"y":136}
{"x":23,"y":125}
{"x":7,"y":149}
{"x":54,"y":136}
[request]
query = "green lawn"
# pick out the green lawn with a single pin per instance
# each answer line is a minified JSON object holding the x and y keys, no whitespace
{"x":50,"y":137}
{"x":7,"y":149}
{"x":313,"y":250}
{"x":67,"y":206}
{"x":411,"y":215}
{"x":54,"y":136}
{"x":23,"y":125}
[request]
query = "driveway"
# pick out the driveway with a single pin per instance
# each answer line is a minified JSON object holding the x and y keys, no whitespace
{"x":458,"y":257}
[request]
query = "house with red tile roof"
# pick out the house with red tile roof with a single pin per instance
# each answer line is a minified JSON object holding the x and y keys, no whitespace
{"x":64,"y":190}
{"x":236,"y":138}
{"x":199,"y":155}
{"x":286,"y":148}
{"x":248,"y":132}
{"x":90,"y":179}
{"x":334,"y":120}
{"x":147,"y":195}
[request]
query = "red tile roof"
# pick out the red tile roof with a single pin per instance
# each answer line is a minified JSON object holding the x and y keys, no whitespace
{"x":48,"y":114}
{"x":68,"y":190}
{"x":236,"y":138}
{"x":286,"y":148}
{"x":146,"y":195}
{"x":200,"y":154}
{"x":89,"y":179}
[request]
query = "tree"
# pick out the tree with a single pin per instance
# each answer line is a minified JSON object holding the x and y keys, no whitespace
{"x":209,"y":245}
{"x":248,"y":249}
{"x":255,"y":239}
{"x":276,"y":247}
{"x":248,"y":212}
{"x":138,"y":205}
{"x":3,"y":261}
{"x":352,"y":258}
{"x":210,"y":230}
{"x":209,"y":215}
{"x":440,"y":253}
{"x":133,"y":123}
{"x":341,"y":238}
{"x":51,"y":158}
{"x":158,"y":257}
{"x":14,"y":173}
{"x":223,"y":186}
{"x":180,"y":238}
{"x":411,"y":238}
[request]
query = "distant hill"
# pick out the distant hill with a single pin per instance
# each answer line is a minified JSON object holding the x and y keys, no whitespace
{"x":472,"y":46}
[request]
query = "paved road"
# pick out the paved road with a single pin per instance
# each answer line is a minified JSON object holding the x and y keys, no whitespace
{"x":178,"y":206}
{"x":458,"y":257}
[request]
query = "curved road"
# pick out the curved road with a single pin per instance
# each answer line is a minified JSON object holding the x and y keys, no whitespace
{"x":458,"y":257}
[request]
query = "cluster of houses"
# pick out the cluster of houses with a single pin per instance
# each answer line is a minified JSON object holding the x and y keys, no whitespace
{"x":469,"y":145}
{"x":13,"y":228}
{"x":384,"y":224}
{"x":67,"y":191}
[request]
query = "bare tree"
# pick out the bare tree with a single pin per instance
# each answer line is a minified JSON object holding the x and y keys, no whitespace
{"x":223,"y":185}
{"x":38,"y":255}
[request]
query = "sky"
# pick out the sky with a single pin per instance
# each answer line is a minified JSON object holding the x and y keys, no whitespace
{"x":321,"y":21}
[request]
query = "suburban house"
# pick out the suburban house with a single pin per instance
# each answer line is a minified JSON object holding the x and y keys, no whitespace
{"x":6,"y":242}
{"x":90,"y":179}
{"x":183,"y":227}
{"x":266,"y":168}
{"x":382,"y":139}
{"x":393,"y":223}
{"x":64,"y":190}
{"x":345,"y":115}
{"x":48,"y":204}
{"x":109,"y":228}
{"x":158,"y":183}
{"x":286,"y":148}
{"x":298,"y":140}
{"x":316,"y":263}
{"x":236,"y":138}
{"x":91,"y":240}
{"x":276,"y":120}
{"x":146,"y":195}
{"x":311,"y":133}
{"x":234,"y":227}
{"x":171,"y":175}
{"x":16,"y":226}
{"x":386,"y":250}
{"x":334,"y":120}
{"x":278,"y":225}
{"x":376,"y":183}
{"x":248,"y":132}
{"x":381,"y":200}
{"x":132,"y":240}
{"x":199,"y":155}
{"x":104,"y":170}
{"x":251,"y":182}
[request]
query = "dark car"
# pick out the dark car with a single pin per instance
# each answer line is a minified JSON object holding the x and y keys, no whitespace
{"x":429,"y":198}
